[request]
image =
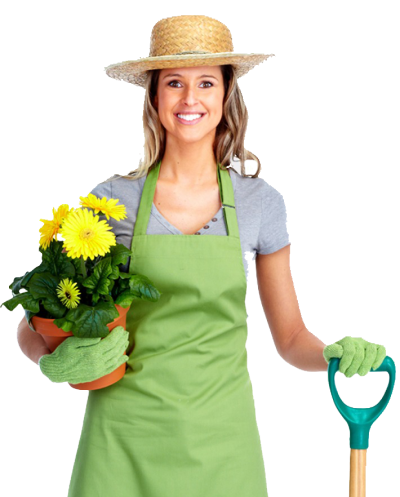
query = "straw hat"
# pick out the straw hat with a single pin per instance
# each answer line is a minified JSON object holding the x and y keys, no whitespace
{"x":184,"y":41}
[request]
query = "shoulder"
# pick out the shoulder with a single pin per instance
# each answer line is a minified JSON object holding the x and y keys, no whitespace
{"x":255,"y":189}
{"x":119,"y":187}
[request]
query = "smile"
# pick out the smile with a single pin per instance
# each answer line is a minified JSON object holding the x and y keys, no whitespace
{"x":189,"y":118}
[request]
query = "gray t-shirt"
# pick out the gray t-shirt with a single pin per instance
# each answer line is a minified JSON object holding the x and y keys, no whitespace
{"x":260,"y":210}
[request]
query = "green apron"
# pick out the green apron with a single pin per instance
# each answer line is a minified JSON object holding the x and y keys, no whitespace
{"x":181,"y":422}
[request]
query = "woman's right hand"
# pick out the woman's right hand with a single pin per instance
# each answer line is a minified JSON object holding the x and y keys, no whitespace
{"x":78,"y":360}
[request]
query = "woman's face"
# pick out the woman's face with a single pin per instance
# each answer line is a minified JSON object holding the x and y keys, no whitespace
{"x":185,"y":92}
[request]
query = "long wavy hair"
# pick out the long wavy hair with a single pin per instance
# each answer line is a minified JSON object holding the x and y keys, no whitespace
{"x":228,"y":145}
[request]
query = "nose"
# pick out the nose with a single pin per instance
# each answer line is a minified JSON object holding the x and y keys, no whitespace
{"x":190,"y":96}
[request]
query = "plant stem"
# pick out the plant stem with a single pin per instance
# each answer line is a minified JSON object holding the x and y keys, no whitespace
{"x":83,"y":267}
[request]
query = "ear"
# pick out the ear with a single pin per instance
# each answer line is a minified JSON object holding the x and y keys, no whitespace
{"x":155,"y":102}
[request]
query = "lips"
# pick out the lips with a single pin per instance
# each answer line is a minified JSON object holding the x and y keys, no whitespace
{"x":194,"y":121}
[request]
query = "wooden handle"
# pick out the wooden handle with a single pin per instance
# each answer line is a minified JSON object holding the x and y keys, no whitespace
{"x":358,"y":463}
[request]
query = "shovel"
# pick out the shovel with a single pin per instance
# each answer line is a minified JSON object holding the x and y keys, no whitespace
{"x":360,"y":421}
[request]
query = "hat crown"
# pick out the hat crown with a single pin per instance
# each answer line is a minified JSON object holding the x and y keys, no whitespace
{"x":189,"y":34}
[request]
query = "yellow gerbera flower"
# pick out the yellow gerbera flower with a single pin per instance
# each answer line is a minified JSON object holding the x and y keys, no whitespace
{"x":68,"y":293}
{"x":50,"y":229}
{"x":84,"y":235}
{"x":107,"y":207}
{"x":48,"y":232}
{"x":61,"y":213}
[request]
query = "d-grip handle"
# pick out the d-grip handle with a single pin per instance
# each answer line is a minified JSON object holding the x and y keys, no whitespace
{"x":361,"y":419}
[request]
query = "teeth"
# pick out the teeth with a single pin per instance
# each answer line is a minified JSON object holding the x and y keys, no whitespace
{"x":189,"y":117}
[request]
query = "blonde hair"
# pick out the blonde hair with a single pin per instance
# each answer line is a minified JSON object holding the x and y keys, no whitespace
{"x":229,"y":136}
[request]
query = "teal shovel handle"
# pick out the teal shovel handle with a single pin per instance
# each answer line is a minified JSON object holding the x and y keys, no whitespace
{"x":361,"y":419}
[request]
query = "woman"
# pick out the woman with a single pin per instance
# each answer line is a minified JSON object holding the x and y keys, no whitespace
{"x":181,"y":422}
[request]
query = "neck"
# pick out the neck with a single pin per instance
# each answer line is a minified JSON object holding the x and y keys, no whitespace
{"x":187,"y":164}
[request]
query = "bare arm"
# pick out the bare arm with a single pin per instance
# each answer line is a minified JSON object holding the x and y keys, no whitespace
{"x":305,"y":352}
{"x":31,"y":343}
{"x":294,"y":343}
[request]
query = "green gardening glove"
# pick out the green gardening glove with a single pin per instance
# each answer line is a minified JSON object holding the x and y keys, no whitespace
{"x":78,"y":360}
{"x":357,"y":355}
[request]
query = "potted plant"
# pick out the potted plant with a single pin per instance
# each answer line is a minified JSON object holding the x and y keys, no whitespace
{"x":78,"y":289}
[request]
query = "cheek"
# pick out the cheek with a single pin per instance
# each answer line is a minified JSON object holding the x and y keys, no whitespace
{"x":165,"y":107}
{"x":216,"y":102}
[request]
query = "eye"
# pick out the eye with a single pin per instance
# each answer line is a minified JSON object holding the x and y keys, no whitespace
{"x":176,"y":81}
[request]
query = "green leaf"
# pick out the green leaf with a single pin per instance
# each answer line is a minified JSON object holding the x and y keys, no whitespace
{"x":22,"y":281}
{"x":64,"y":324}
{"x":124,"y":276}
{"x":98,"y":282}
{"x":119,"y":254}
{"x":112,"y":283}
{"x":43,"y":286}
{"x":87,"y":321}
{"x":54,"y":305}
{"x":25,"y":299}
{"x":125,"y":299}
{"x":115,"y":273}
{"x":77,"y":265}
{"x":57,"y":262}
{"x":16,"y":285}
{"x":142,"y":286}
{"x":123,"y":280}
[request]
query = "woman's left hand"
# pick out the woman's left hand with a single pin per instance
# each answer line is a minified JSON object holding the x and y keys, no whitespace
{"x":357,"y":355}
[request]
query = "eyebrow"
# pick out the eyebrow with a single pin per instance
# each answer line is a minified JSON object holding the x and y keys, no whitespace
{"x":180,"y":75}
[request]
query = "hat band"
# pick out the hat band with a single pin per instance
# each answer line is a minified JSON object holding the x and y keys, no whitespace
{"x":191,"y":52}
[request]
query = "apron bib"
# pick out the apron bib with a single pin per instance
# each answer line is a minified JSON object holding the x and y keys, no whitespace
{"x":181,"y":422}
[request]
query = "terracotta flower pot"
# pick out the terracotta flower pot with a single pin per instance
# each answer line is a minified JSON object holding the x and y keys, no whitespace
{"x":54,"y":336}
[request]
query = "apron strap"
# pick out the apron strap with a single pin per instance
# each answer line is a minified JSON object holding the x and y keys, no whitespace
{"x":228,"y":202}
{"x":149,"y":187}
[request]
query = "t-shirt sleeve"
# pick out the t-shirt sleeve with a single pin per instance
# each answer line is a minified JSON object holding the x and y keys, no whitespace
{"x":102,"y":190}
{"x":126,"y":192}
{"x":105,"y":190}
{"x":273,"y":234}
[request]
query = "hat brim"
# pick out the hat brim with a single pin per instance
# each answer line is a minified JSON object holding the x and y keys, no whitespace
{"x":135,"y":71}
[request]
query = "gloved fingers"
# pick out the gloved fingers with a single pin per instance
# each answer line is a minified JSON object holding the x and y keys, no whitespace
{"x":359,"y":356}
{"x":46,"y":365}
{"x":380,"y":356}
{"x":369,"y":359}
{"x":61,"y":350}
{"x":115,"y":353}
{"x":77,"y":364}
{"x":123,"y":359}
{"x":349,"y":351}
{"x":117,"y":345}
{"x":114,"y":365}
{"x":116,"y":336}
{"x":373,"y":357}
{"x":90,"y":368}
{"x":86,"y":341}
{"x":334,"y":350}
{"x":83,"y":377}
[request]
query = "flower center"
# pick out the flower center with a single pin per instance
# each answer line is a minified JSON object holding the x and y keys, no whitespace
{"x":68,"y":295}
{"x":87,"y":233}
